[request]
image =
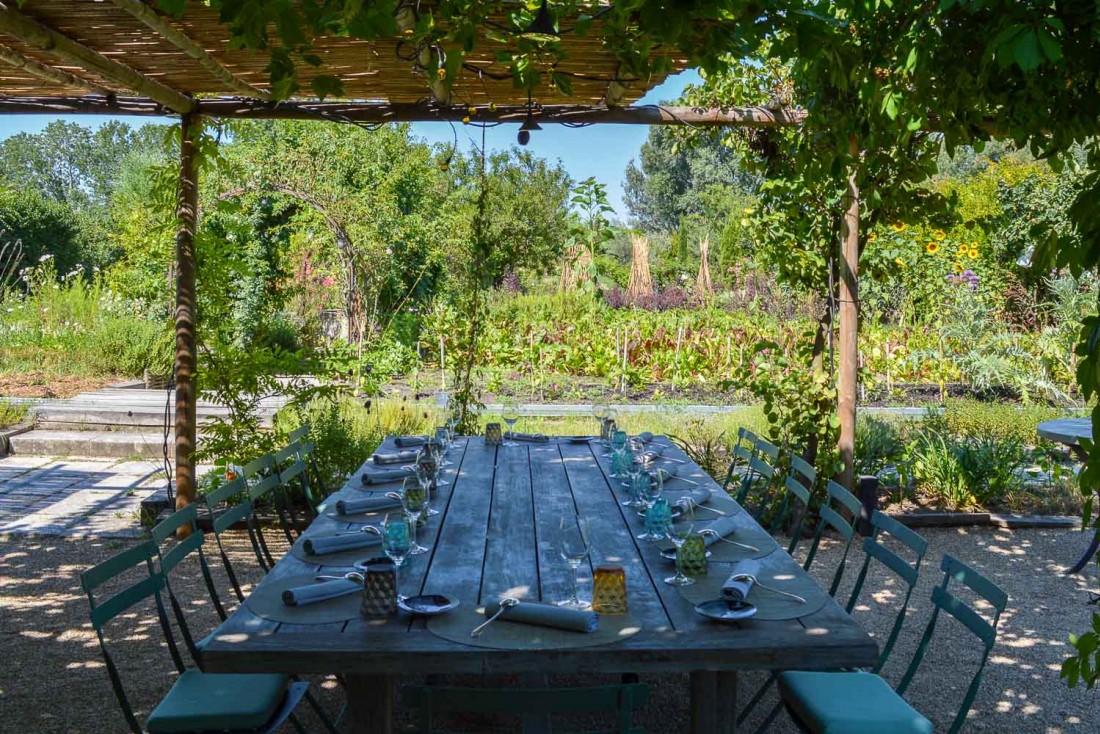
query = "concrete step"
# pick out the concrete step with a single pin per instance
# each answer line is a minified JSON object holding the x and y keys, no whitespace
{"x":123,"y":418}
{"x":100,"y":444}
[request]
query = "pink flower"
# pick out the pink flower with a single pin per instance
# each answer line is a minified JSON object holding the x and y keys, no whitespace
{"x":326,"y":281}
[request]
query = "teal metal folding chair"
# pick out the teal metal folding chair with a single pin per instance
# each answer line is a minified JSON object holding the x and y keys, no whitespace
{"x":761,"y":470}
{"x":296,"y":477}
{"x":907,"y":572}
{"x":169,"y":556}
{"x":314,"y":485}
{"x":621,"y":700}
{"x":238,"y":509}
{"x":799,"y":488}
{"x":197,"y":702}
{"x":265,"y":488}
{"x":842,"y":701}
{"x":831,"y":516}
{"x":743,"y":452}
{"x":299,"y":434}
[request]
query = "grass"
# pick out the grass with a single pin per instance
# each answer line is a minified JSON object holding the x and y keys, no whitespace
{"x":11,"y":414}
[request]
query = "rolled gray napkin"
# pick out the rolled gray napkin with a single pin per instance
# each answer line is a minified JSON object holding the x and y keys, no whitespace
{"x":366,"y":504}
{"x":384,"y":476}
{"x":547,"y":615}
{"x":410,"y":442}
{"x":401,"y":457}
{"x":653,"y":454}
{"x":645,"y":436}
{"x":737,"y":589}
{"x":699,"y":496}
{"x":531,"y":437}
{"x":325,"y":544}
{"x":667,"y":472}
{"x":723,"y":526}
{"x":302,"y":595}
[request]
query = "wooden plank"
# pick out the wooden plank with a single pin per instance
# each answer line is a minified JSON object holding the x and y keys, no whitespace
{"x":552,"y":499}
{"x":370,"y":704}
{"x":704,"y":696}
{"x":511,"y":567}
{"x":612,"y":539}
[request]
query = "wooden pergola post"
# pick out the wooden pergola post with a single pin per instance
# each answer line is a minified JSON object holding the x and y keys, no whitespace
{"x":848,"y":367}
{"x":187,"y":205}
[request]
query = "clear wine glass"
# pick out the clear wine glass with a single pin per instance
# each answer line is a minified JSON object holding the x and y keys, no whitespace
{"x":574,"y":549}
{"x":510,"y":413}
{"x":599,"y":412}
{"x":396,"y":544}
{"x":679,"y":530}
{"x":427,"y":469}
{"x":414,"y":502}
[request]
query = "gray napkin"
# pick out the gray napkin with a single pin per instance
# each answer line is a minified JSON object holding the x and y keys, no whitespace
{"x":401,"y":457}
{"x":668,"y":473}
{"x":366,"y":504}
{"x":547,"y":615}
{"x":724,"y":526}
{"x":699,"y":496}
{"x":645,"y":437}
{"x":384,"y":476}
{"x":532,"y":437}
{"x":410,"y":442}
{"x":737,"y":590}
{"x":653,"y":454}
{"x":323,"y":591}
{"x":325,"y":544}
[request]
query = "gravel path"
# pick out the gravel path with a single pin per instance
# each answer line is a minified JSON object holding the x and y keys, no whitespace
{"x":53,"y":679}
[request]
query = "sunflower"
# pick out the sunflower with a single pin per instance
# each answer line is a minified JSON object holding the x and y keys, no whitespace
{"x":898,"y":226}
{"x":963,"y":249}
{"x":959,"y":268}
{"x":940,"y":235}
{"x":900,"y":262}
{"x":973,"y":253}
{"x":932,"y":248}
{"x":872,"y":237}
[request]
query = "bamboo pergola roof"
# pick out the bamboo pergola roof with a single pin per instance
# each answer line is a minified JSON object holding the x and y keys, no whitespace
{"x":96,"y":48}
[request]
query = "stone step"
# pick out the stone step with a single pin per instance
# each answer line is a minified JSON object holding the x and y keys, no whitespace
{"x":100,"y":444}
{"x":122,"y":418}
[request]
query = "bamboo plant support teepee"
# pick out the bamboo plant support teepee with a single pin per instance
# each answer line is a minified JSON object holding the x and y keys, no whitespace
{"x":704,"y":288}
{"x":641,"y":281}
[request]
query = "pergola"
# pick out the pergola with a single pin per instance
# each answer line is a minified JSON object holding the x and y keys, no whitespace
{"x":123,"y":57}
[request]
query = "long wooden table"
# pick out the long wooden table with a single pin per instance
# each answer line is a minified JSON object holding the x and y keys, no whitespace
{"x":497,"y":535}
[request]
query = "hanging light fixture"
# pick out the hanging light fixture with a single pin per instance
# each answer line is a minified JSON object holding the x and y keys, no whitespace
{"x":528,"y":125}
{"x":542,"y":27}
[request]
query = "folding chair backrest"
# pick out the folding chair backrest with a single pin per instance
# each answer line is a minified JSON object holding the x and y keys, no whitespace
{"x":943,"y":600}
{"x":760,"y":468}
{"x":799,"y":484}
{"x":260,"y":466}
{"x":830,"y":517}
{"x":262,"y":488}
{"x":140,"y":559}
{"x":286,"y":454}
{"x":299,"y":433}
{"x":169,"y":558}
{"x":905,"y":570}
{"x":743,"y":451}
{"x":222,"y":520}
{"x":767,"y":450}
{"x":622,"y":700}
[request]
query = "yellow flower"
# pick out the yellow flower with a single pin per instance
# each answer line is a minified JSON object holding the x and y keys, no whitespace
{"x":932,"y":247}
{"x":898,"y":226}
{"x":466,"y":120}
{"x":963,"y":249}
{"x":872,"y":237}
{"x":973,"y":253}
{"x":492,"y":106}
{"x":959,"y":268}
{"x":973,"y":245}
{"x":940,"y":235}
{"x":441,"y":73}
{"x":900,"y":262}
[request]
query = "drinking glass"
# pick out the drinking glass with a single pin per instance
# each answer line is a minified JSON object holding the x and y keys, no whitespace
{"x":679,"y":530}
{"x":658,"y":517}
{"x":414,"y":501}
{"x":599,"y":412}
{"x":396,"y":544}
{"x":442,"y":443}
{"x":637,"y":491}
{"x":439,"y":457}
{"x":574,"y":549}
{"x":510,"y":413}
{"x":427,"y":469}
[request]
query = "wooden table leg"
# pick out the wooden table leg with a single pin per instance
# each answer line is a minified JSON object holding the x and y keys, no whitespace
{"x":713,"y":702}
{"x":370,"y":704}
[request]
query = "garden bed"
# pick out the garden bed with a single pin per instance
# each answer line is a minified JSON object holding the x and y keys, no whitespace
{"x":47,"y":385}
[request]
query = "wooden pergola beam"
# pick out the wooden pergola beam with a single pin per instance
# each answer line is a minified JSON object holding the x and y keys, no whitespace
{"x":48,"y":73}
{"x":184,"y":43}
{"x":56,"y":44}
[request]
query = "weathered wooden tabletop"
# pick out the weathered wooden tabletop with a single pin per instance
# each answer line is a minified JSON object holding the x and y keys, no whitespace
{"x":497,"y":535}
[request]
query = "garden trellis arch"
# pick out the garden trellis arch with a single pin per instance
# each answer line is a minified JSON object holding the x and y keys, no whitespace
{"x":123,"y":57}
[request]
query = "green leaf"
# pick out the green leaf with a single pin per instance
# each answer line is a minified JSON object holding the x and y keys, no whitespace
{"x":1025,"y":50}
{"x":326,"y":85}
{"x":168,"y":7}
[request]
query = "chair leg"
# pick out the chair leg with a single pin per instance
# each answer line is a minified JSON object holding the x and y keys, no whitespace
{"x":770,"y":718}
{"x":756,"y":697}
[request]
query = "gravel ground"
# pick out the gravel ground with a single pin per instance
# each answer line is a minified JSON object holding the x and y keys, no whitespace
{"x":62,"y":686}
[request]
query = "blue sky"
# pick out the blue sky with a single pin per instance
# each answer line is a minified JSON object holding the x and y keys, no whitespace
{"x":602,"y":151}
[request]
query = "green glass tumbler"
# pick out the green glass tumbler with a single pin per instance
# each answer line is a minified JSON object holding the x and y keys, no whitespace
{"x":692,"y":556}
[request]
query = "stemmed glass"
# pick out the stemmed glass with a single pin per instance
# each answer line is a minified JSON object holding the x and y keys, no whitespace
{"x":414,"y":501}
{"x":427,"y":469}
{"x":652,"y":494}
{"x":510,"y":413}
{"x":574,"y":549}
{"x":679,"y":530}
{"x":396,"y":544}
{"x":599,"y":412}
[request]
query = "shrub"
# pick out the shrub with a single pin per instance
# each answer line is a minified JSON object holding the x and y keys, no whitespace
{"x":963,"y":473}
{"x":878,"y":444}
{"x":11,"y":413}
{"x":1005,"y":421}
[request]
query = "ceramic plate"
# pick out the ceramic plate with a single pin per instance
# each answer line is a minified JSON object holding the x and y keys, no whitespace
{"x":725,"y":611}
{"x":580,"y":439}
{"x":427,"y":605}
